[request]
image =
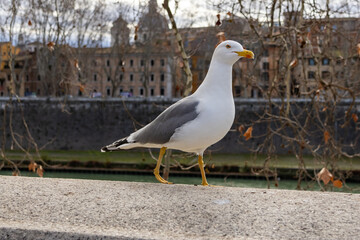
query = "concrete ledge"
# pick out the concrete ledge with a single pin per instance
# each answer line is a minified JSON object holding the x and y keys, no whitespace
{"x":42,"y":208}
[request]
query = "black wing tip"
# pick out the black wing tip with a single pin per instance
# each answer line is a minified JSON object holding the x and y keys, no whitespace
{"x":114,"y":146}
{"x":105,"y":149}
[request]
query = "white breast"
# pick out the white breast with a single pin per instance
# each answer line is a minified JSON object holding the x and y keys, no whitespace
{"x":215,"y":119}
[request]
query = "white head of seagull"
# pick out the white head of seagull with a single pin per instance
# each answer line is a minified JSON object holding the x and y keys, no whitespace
{"x":230,"y":51}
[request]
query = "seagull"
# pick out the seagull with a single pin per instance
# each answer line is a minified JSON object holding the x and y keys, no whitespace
{"x":195,"y":122}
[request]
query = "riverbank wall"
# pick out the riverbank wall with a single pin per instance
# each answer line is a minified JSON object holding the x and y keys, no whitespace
{"x":89,"y":124}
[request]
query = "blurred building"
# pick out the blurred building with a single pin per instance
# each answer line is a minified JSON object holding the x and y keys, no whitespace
{"x":147,"y":63}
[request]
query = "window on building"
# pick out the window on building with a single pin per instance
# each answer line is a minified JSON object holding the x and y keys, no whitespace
{"x":162,"y":77}
{"x":311,"y":75}
{"x":265,"y":76}
{"x":142,"y":62}
{"x":121,"y":63}
{"x":131,"y":62}
{"x":152,"y":62}
{"x":237,"y":91}
{"x":253,"y":93}
{"x":162,"y":91}
{"x":38,"y":77}
{"x":108,"y":62}
{"x":131,"y":77}
{"x":121,"y":77}
{"x":79,"y":93}
{"x":131,"y":90}
{"x":141,"y":92}
{"x":266,"y":65}
{"x":108,"y":91}
{"x":38,"y":92}
{"x":266,"y":52}
{"x":311,"y":62}
{"x":121,"y":90}
{"x":339,"y":74}
{"x":162,"y":62}
{"x":27,"y":78}
{"x":152,"y":92}
{"x":95,"y":77}
{"x":1,"y":93}
{"x":152,"y":77}
{"x":109,"y":79}
{"x":9,"y":77}
{"x":325,"y":74}
{"x":325,"y":61}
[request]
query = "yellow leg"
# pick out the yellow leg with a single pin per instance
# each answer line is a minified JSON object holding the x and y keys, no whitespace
{"x":201,"y":166}
{"x":157,"y":168}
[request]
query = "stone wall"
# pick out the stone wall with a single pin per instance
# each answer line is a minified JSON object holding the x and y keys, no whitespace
{"x":45,"y":208}
{"x":88,"y":124}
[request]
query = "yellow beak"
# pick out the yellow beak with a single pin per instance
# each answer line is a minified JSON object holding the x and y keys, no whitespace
{"x":246,"y":54}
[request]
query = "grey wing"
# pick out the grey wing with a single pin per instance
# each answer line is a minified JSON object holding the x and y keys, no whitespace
{"x":163,"y":127}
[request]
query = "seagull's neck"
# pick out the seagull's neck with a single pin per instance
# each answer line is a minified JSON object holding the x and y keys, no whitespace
{"x":218,"y":79}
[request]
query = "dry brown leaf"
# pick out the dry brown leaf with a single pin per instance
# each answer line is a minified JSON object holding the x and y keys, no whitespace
{"x":324,"y":109}
{"x":248,"y":133}
{"x":136,"y":32}
{"x":293,"y":63}
{"x":317,"y":94}
{"x":338,"y":183}
{"x":221,"y":37}
{"x":32,"y":166}
{"x":355,"y":117}
{"x":326,"y":136}
{"x":302,"y":144}
{"x":241,"y":128}
{"x":15,"y":173}
{"x":325,"y":175}
{"x":76,"y":64}
{"x":82,"y":88}
{"x":40,"y":171}
{"x":50,"y":46}
{"x":29,"y":23}
{"x":218,"y":22}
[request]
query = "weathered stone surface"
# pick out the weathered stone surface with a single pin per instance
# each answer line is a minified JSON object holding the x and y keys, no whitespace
{"x":40,"y":208}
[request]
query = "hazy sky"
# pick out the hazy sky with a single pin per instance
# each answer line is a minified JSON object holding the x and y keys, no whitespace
{"x":195,"y":13}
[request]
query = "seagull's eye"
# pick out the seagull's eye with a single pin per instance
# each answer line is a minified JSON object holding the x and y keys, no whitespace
{"x":228,"y":46}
